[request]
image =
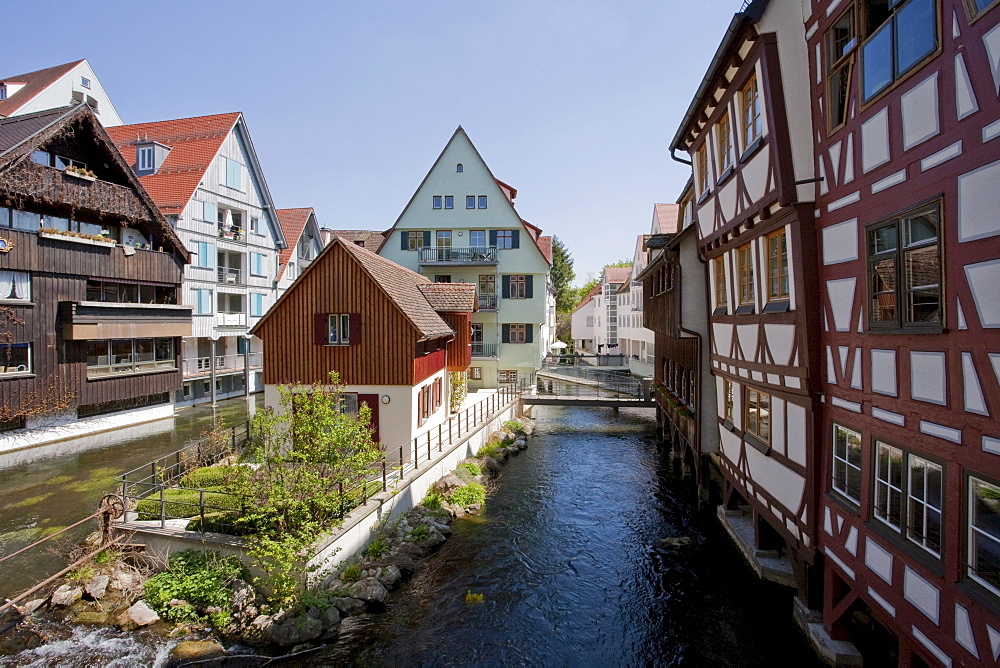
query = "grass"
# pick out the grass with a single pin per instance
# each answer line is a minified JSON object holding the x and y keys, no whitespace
{"x":185,"y":503}
{"x":206,"y":477}
{"x":468,"y":470}
{"x":420,"y":532}
{"x":352,"y":573}
{"x":490,"y":449}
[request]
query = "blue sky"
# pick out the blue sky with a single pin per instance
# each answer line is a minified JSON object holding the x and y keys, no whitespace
{"x":571,"y":102}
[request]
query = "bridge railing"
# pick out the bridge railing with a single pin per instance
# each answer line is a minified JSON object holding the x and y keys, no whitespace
{"x":611,"y":386}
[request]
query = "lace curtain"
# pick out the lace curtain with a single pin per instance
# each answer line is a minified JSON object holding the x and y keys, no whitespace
{"x":14,"y":285}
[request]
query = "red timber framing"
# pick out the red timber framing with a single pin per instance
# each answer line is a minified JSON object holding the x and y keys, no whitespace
{"x":910,"y":337}
{"x":756,"y":220}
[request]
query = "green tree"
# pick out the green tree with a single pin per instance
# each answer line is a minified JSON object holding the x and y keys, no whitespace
{"x":584,"y":290}
{"x":562,"y":276}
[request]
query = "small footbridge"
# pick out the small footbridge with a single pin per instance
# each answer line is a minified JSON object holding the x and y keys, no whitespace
{"x":563,"y":385}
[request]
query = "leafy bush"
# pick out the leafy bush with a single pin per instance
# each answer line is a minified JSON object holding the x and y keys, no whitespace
{"x":469,"y":494}
{"x":513,"y":426}
{"x":200,"y":579}
{"x":185,"y":503}
{"x":352,"y":573}
{"x":468,"y":470}
{"x":420,"y":532}
{"x":490,"y":449}
{"x":433,"y":501}
{"x":207,"y":477}
{"x":377,"y":548}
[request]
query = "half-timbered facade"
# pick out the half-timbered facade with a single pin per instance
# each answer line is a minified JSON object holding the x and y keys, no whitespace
{"x":391,"y":334}
{"x":905,"y":115}
{"x":90,"y":325}
{"x":751,"y":148}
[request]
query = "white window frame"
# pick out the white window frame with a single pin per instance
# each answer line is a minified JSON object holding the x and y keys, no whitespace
{"x":338,"y":329}
{"x":12,"y":282}
{"x":29,"y":367}
{"x":144,"y":158}
{"x":973,"y":533}
{"x":257,"y":264}
{"x":849,"y":466}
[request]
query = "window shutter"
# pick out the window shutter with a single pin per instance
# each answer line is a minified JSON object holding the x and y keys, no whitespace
{"x":355,"y":329}
{"x":504,"y":333}
{"x":212,"y":257}
{"x":515,"y":238}
{"x":404,"y":240}
{"x":505,"y":285}
{"x":528,"y":280}
{"x":321,"y":329}
{"x":372,"y":401}
{"x":527,"y":333}
{"x":493,"y":237}
{"x":427,"y":238}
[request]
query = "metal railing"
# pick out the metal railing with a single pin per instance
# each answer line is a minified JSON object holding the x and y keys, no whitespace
{"x":484,"y":349}
{"x":231,"y":320}
{"x":487,"y":302}
{"x":144,"y":489}
{"x":230,"y":276}
{"x":581,"y":359}
{"x":611,"y":386}
{"x":197,"y":365}
{"x":471,"y":254}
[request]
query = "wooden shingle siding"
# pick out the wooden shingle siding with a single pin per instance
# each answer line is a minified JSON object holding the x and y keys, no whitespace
{"x":384,"y":354}
{"x":460,"y":348}
{"x":426,"y":366}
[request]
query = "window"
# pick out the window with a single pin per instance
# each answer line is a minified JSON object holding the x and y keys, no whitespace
{"x":517,"y":287}
{"x":255,"y":225}
{"x":482,"y":201}
{"x":889,"y":485}
{"x":516,"y":333}
{"x":130,"y":293}
{"x":338,"y":329}
{"x":899,"y":34}
{"x":976,"y":7}
{"x":437,"y":201}
{"x":449,"y":201}
{"x":470,"y":201}
{"x":840,"y":42}
{"x":256,"y":304}
{"x":727,"y":399}
{"x":443,"y":238}
{"x":119,"y":356}
{"x":257,"y":264}
{"x":904,"y":267}
{"x":442,"y":278}
{"x":750,"y":108}
{"x":477,"y":238}
{"x":507,"y":376}
{"x":18,"y":220}
{"x":758,"y":414}
{"x":777,"y":265}
{"x":85,"y":82}
{"x":15,"y":285}
{"x":744,"y":257}
{"x":724,"y":143}
{"x":227,"y":302}
{"x":459,"y":168}
{"x":144,"y":158}
{"x":923,"y":504}
{"x":984,"y":533}
{"x":3,"y":92}
{"x":846,"y":477}
{"x":348,"y":403}
{"x":234,"y":174}
{"x":719,"y":266}
{"x":209,"y":212}
{"x":505,"y":239}
{"x":205,"y":253}
{"x":15,"y":358}
{"x":475,"y":372}
{"x":701,"y":166}
{"x":202,"y":302}
{"x":415,"y":240}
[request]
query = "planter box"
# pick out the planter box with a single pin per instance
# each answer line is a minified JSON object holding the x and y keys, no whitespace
{"x":77,"y":240}
{"x":77,"y":175}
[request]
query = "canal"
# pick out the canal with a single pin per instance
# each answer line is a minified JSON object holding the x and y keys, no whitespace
{"x":569,"y":560}
{"x":46,"y":488}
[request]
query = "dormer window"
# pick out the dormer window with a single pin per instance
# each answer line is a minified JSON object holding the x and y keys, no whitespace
{"x":3,"y":96}
{"x":144,"y":159}
{"x":85,"y":82}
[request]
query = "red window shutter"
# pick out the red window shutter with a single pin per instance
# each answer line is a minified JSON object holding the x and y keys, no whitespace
{"x":355,"y":329}
{"x":321,"y":329}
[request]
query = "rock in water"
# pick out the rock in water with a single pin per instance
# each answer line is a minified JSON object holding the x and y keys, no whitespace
{"x":196,"y":650}
{"x":368,"y":590}
{"x":65,"y":595}
{"x":31,"y":606}
{"x":348,"y":606}
{"x":674,"y":542}
{"x":97,"y":586}
{"x":141,"y":614}
{"x":389,"y":576}
{"x":296,"y":630}
{"x":447,"y":484}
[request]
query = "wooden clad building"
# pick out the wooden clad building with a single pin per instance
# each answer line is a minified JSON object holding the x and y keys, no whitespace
{"x":90,"y":271}
{"x":391,"y":334}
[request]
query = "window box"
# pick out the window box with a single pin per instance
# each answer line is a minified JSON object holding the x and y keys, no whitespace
{"x":76,"y":237}
{"x":77,"y":174}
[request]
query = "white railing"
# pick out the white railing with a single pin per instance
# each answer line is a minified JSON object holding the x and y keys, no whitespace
{"x":231,"y":320}
{"x":200,"y":365}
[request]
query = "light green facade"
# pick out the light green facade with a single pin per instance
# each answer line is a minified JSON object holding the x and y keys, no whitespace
{"x":460,"y":264}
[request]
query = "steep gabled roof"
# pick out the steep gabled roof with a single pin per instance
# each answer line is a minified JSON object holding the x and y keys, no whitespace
{"x":34,"y":84}
{"x":545,"y":245}
{"x":20,"y":135}
{"x":194,"y":143}
{"x":293,"y":222}
{"x":445,"y":297}
{"x":617,"y":274}
{"x":371,"y":239}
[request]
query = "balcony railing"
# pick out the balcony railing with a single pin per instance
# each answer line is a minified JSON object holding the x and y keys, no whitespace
{"x":484,"y":350}
{"x":224,"y":363}
{"x":230,"y":276}
{"x":231,"y":320}
{"x":487,"y":302}
{"x":470,"y":255}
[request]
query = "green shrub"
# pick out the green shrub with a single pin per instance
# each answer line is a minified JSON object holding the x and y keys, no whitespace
{"x":433,"y":501}
{"x":377,"y":548}
{"x":468,"y":470}
{"x":469,"y":494}
{"x":420,"y":532}
{"x":185,"y":503}
{"x":352,"y":573}
{"x":490,"y":449}
{"x":206,"y":477}
{"x":513,"y":426}
{"x":201,"y":579}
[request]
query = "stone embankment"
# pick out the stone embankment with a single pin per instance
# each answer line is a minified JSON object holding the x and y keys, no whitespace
{"x":112,"y":594}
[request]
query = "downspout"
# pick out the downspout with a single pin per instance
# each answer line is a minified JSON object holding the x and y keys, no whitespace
{"x":680,"y":160}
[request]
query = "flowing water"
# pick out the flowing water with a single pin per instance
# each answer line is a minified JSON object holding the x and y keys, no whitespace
{"x":567,"y":559}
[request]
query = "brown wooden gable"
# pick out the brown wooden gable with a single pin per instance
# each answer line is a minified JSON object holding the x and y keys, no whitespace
{"x":336,"y":283}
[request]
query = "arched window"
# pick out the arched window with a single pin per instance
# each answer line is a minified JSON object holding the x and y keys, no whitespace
{"x":459,"y":168}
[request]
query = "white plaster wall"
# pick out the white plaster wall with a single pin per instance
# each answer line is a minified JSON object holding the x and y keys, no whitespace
{"x":60,"y":94}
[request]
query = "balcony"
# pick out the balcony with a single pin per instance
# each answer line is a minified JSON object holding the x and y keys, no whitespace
{"x":484,"y":349}
{"x":231,"y":320}
{"x":487,"y":302}
{"x":230,"y":276}
{"x":470,"y":256}
{"x":112,"y":320}
{"x":223,"y":364}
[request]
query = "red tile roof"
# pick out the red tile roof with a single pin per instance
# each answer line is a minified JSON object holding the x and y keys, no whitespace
{"x":589,"y":296}
{"x":667,"y":217}
{"x":292,"y":222}
{"x":194,"y":143}
{"x":371,"y":239}
{"x":545,"y":245}
{"x":617,"y":274}
{"x":35,"y":83}
{"x":450,"y":296}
